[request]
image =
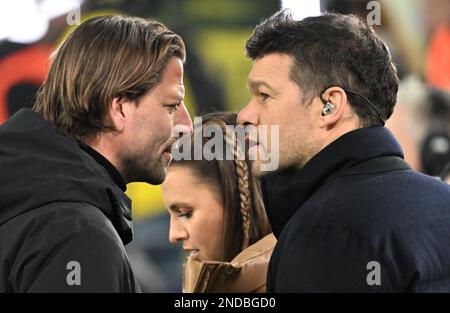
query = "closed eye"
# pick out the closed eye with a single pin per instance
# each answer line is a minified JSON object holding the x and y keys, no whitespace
{"x":264,"y":96}
{"x":186,"y":214}
{"x":172,"y":107}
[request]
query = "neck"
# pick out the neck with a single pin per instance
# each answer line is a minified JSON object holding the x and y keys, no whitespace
{"x":106,"y":149}
{"x":345,"y":125}
{"x":330,"y":136}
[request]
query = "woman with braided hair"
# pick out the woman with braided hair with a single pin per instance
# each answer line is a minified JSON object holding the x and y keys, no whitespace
{"x":217,"y":212}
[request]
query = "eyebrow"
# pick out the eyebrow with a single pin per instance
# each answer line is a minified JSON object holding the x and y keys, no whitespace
{"x":255,"y":84}
{"x":174,"y":206}
{"x":174,"y":99}
{"x":179,"y":95}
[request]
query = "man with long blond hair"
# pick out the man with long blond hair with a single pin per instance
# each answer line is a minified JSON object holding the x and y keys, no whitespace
{"x":103,"y":118}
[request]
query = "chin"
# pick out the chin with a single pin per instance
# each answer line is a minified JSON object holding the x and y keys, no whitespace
{"x":158,"y":180}
{"x":156,"y":175}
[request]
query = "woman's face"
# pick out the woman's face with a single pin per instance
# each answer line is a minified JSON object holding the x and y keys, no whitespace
{"x":196,"y":214}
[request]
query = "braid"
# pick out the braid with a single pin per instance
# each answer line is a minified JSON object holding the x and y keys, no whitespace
{"x":243,"y":185}
{"x":242,"y":178}
{"x":244,"y":195}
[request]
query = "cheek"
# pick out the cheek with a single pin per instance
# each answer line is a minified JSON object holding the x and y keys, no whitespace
{"x":286,"y":136}
{"x":164,"y":127}
{"x":153,"y":135}
{"x":215,"y":227}
{"x":291,"y":142}
{"x":208,"y":229}
{"x":198,"y":227}
{"x":199,"y":234}
{"x":278,"y":116}
{"x":155,"y":124}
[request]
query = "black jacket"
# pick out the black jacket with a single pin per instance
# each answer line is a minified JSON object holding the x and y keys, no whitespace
{"x":356,"y":202}
{"x":63,"y":221}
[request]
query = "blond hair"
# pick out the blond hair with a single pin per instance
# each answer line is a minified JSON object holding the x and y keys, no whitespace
{"x":104,"y":58}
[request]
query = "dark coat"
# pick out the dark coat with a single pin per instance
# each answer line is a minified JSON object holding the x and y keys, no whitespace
{"x":356,"y":202}
{"x":58,"y":205}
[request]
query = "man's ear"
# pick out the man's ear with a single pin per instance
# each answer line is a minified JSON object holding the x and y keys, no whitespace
{"x":334,"y":106}
{"x":117,"y":113}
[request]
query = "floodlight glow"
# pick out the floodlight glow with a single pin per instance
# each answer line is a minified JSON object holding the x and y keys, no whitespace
{"x":302,"y":8}
{"x":27,"y":21}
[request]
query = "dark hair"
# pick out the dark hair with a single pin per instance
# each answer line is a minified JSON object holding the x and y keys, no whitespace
{"x":332,"y":50}
{"x":245,"y":220}
{"x":103,"y":58}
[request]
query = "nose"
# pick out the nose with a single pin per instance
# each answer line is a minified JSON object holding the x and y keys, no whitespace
{"x":183,"y":121}
{"x":248,"y":115}
{"x":176,"y":232}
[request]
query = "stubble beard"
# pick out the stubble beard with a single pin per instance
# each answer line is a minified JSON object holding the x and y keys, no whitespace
{"x":148,"y":169}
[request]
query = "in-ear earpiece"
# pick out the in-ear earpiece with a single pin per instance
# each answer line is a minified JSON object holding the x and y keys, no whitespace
{"x":329,"y":108}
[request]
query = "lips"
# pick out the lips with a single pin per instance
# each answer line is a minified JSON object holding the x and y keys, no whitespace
{"x":193,"y":253}
{"x":173,"y":143}
{"x":166,"y":156}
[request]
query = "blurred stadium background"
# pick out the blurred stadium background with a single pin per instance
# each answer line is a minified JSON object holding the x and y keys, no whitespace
{"x":215,"y":31}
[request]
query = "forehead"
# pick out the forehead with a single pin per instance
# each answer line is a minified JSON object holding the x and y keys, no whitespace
{"x":181,"y":186}
{"x":272,"y":69}
{"x":171,"y":83}
{"x":173,"y":71}
{"x":177,"y":176}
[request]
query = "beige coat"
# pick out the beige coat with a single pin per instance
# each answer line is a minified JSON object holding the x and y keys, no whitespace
{"x":247,"y":272}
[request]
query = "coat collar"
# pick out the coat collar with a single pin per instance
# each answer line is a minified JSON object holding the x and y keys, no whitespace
{"x":245,"y":273}
{"x":28,"y":143}
{"x":106,"y":164}
{"x":285,"y":193}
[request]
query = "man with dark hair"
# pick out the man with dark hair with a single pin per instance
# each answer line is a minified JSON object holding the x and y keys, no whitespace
{"x":348,"y":212}
{"x":105,"y":116}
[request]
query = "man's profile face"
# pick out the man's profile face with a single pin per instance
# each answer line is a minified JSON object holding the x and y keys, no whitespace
{"x":145,"y":155}
{"x":277,"y":100}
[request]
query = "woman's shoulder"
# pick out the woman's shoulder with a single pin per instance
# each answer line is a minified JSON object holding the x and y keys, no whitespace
{"x":260,"y":251}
